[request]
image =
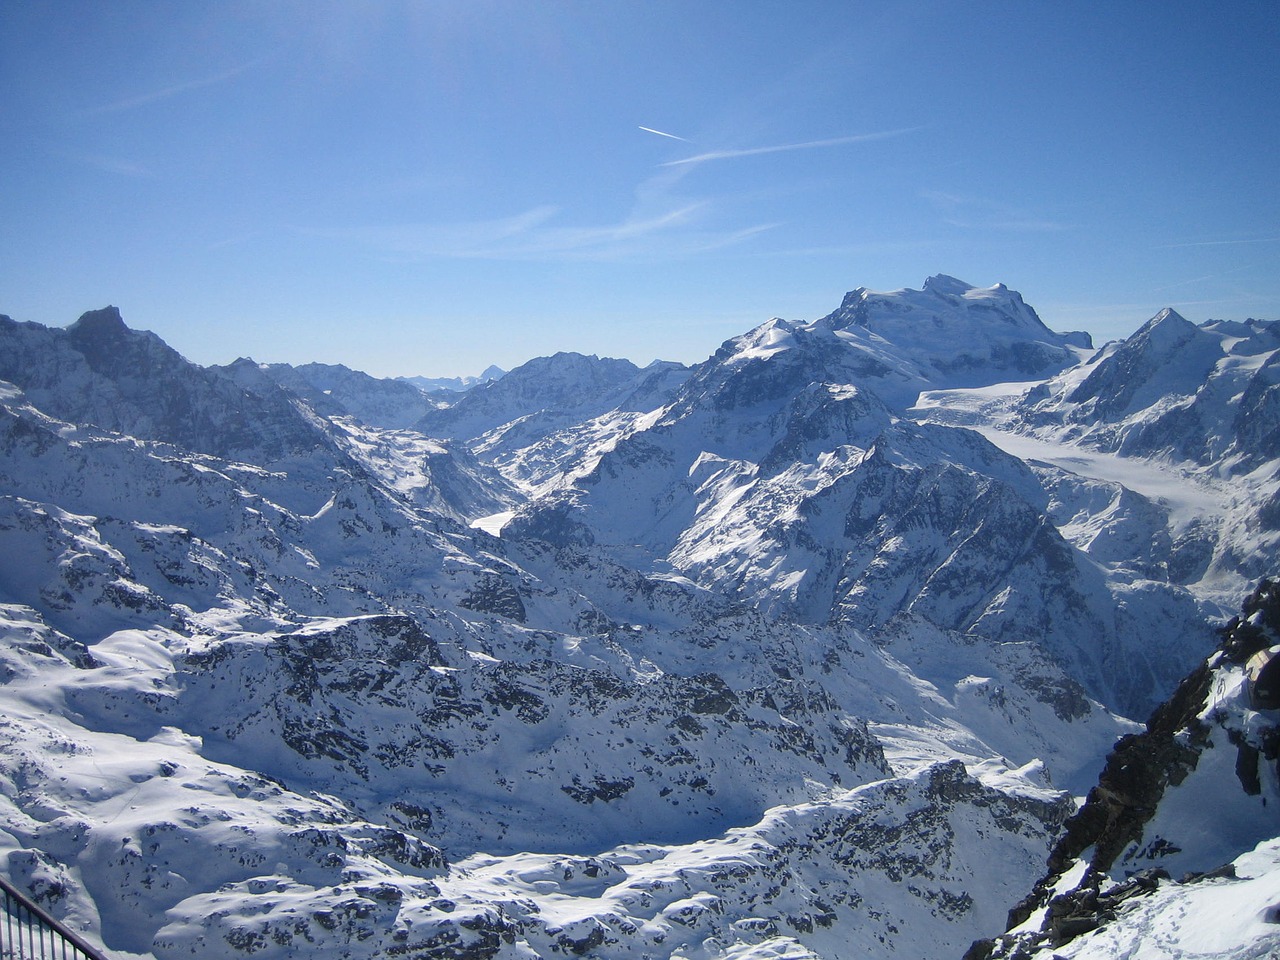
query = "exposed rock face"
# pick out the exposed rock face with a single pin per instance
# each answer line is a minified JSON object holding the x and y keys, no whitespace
{"x":772,"y":886}
{"x":100,"y":372}
{"x":1136,"y":822}
{"x":376,"y":707}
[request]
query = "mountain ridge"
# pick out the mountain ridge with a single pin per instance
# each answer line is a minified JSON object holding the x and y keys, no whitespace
{"x":764,"y":664}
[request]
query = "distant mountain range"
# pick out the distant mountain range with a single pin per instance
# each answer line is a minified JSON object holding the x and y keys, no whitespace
{"x":773,"y":656}
{"x":454,"y":384}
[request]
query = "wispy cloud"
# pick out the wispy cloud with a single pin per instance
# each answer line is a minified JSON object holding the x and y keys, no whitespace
{"x":663,"y":224}
{"x":174,"y":90}
{"x":1205,"y":279}
{"x":785,"y":147}
{"x":115,"y":165}
{"x":979,"y":213}
{"x":869,"y":247}
{"x":532,"y":235}
{"x":663,"y":133}
{"x":1217,"y":243}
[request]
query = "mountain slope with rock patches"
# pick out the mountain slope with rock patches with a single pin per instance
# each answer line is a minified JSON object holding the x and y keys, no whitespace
{"x":739,"y":676}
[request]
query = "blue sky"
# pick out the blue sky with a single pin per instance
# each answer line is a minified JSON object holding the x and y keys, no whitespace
{"x":430,"y":187}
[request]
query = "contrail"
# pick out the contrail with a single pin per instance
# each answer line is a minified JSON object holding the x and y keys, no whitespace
{"x":664,"y":134}
{"x":807,"y":145}
{"x":1216,"y":243}
{"x":167,"y":92}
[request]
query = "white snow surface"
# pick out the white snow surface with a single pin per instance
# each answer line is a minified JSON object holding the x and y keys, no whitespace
{"x":1224,"y":918}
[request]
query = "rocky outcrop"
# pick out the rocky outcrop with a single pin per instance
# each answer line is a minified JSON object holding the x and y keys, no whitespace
{"x":1101,"y":860}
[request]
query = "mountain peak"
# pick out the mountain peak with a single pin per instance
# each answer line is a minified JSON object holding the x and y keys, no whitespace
{"x":943,"y":303}
{"x":1166,"y":328}
{"x":944,"y":285}
{"x":1170,"y":315}
{"x":941,"y":299}
{"x":952,"y":334}
{"x":106,"y":322}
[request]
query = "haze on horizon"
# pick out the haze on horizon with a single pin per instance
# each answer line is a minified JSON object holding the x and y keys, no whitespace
{"x":413,"y":188}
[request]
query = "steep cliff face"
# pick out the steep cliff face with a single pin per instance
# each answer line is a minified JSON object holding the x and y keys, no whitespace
{"x":98,"y":371}
{"x":1185,"y":815}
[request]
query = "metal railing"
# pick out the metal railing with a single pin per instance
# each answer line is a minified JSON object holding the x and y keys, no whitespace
{"x":28,"y":933}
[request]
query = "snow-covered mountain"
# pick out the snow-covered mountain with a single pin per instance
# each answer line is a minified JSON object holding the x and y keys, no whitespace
{"x":778,"y":475}
{"x":770,"y":659}
{"x":547,"y":395}
{"x":949,"y":334}
{"x":1174,"y":429}
{"x":1204,"y":394}
{"x":334,"y":390}
{"x":454,"y":384}
{"x":98,"y":372}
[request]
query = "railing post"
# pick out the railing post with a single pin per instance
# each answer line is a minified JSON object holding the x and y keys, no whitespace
{"x":22,"y":915}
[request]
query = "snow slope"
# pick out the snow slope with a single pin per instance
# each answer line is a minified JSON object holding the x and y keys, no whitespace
{"x":1179,"y":424}
{"x":951,"y":334}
